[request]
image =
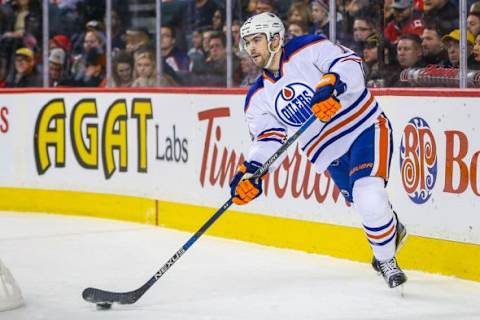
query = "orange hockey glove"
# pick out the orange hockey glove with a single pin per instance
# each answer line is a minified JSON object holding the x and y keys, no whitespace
{"x":324,"y":101}
{"x":244,"y":188}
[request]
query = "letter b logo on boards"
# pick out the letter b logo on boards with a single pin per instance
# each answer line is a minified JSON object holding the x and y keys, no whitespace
{"x":418,"y":160}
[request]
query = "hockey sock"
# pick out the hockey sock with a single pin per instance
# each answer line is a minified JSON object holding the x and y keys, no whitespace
{"x":370,"y":199}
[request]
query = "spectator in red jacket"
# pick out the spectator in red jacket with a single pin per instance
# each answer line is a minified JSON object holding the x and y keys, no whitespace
{"x":405,"y":20}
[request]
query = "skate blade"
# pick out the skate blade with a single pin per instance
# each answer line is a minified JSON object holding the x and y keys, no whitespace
{"x":400,"y":290}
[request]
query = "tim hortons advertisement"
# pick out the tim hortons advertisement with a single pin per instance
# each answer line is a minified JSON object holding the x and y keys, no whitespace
{"x":186,"y":147}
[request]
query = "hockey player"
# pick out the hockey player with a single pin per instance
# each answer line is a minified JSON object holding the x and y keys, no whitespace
{"x":352,"y":139}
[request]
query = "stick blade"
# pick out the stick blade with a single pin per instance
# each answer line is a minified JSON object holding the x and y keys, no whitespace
{"x":96,"y":296}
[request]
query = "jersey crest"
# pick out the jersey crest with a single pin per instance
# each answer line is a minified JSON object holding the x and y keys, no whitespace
{"x":292,"y":103}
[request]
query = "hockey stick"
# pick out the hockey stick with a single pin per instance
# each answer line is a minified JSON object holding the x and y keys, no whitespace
{"x":104,"y":299}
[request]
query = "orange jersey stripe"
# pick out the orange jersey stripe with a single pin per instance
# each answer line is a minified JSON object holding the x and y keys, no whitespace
{"x":383,"y":235}
{"x":340,"y":125}
{"x":269,"y":134}
{"x":383,"y":148}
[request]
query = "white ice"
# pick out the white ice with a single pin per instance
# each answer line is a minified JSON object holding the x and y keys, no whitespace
{"x":55,"y":257}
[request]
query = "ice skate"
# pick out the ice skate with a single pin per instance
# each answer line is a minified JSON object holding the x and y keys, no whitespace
{"x":391,"y":272}
{"x":399,"y":241}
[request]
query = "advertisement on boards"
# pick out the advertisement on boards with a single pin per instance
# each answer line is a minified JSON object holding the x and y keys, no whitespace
{"x":185,"y":148}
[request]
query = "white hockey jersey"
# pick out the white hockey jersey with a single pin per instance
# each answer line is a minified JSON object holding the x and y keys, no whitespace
{"x":280,"y":103}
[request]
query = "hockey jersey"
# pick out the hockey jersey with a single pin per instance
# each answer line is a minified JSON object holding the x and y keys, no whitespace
{"x":280,"y":103}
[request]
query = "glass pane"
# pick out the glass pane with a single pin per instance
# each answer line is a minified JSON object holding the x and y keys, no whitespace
{"x":207,"y":44}
{"x":21,"y":44}
{"x":76,"y":44}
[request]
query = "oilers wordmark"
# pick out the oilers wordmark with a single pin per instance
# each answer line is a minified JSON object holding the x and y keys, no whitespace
{"x":292,"y":104}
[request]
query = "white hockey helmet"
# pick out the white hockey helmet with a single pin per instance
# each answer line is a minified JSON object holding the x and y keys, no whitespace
{"x":266,"y":23}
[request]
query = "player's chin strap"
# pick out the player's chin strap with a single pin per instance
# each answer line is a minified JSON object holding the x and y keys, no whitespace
{"x":272,"y":53}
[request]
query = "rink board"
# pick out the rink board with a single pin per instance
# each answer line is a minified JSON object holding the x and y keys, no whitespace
{"x":165,"y":157}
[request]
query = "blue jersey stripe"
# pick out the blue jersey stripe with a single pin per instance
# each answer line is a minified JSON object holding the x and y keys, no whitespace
{"x":271,"y":129}
{"x":383,"y":242}
{"x":340,"y":114}
{"x":339,"y":58}
{"x":379,"y":228}
{"x":333,"y":139}
{"x":271,"y":139}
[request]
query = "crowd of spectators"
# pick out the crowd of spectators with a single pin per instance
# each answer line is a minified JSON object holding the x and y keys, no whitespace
{"x":390,"y":35}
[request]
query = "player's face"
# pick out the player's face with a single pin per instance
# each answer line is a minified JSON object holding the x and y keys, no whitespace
{"x":431,"y":43}
{"x":257,"y":48}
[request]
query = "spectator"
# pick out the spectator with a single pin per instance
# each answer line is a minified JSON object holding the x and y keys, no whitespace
{"x":444,"y":10}
{"x":22,"y":9}
{"x":145,"y":72}
{"x":118,"y":40}
{"x":320,"y":17}
{"x":18,"y":18}
{"x":26,"y":74}
{"x":78,"y":39}
{"x":265,"y":6}
{"x":93,"y":39}
{"x":122,"y":70}
{"x":235,"y":36}
{"x":434,"y":51}
{"x":61,"y":41}
{"x":296,"y":29}
{"x":206,"y":34}
{"x":201,"y":12}
{"x":196,"y":54}
{"x":476,"y":52}
{"x":473,"y":19}
{"x":378,"y":74}
{"x":174,"y":57}
{"x":94,"y":73}
{"x":363,"y":27}
{"x":354,"y":7}
{"x":213,"y":72}
{"x":218,"y":20}
{"x":299,"y":13}
{"x":249,"y":70}
{"x":136,"y":39}
{"x":56,"y":61}
{"x":409,"y":51}
{"x":451,"y":41}
{"x":405,"y":20}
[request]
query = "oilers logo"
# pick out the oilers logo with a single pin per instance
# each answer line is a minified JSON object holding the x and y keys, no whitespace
{"x":418,"y":160}
{"x":292,"y":104}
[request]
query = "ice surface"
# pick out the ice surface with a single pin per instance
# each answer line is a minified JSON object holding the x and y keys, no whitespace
{"x":55,"y":257}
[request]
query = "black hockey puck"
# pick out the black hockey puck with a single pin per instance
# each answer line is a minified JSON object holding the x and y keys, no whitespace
{"x":104,"y":305}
